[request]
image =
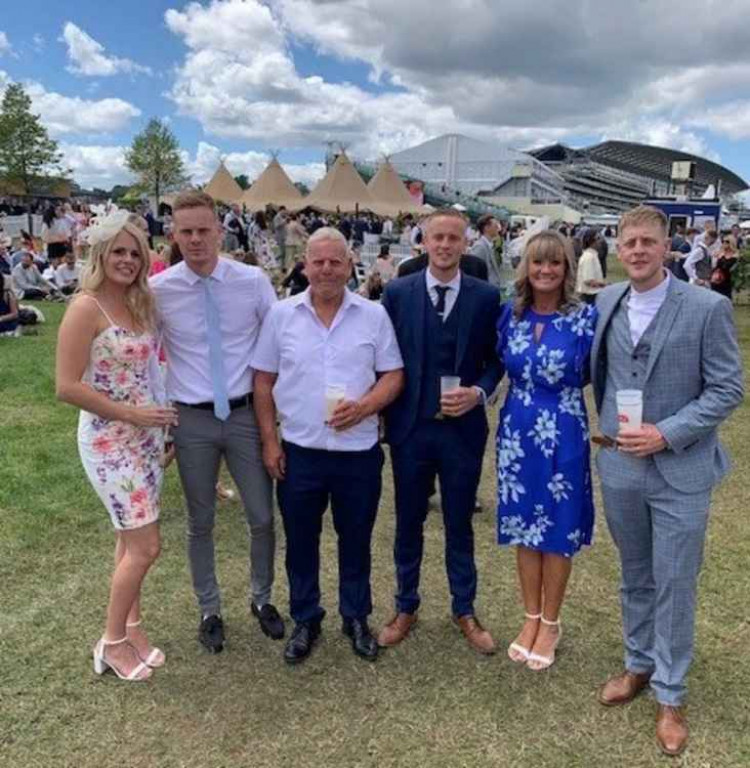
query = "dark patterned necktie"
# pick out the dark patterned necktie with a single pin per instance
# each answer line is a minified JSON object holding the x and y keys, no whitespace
{"x":441,"y":290}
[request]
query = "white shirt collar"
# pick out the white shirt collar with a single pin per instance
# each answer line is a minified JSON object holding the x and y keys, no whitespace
{"x":219,"y":273}
{"x":653,"y":294}
{"x":305,"y":298}
{"x":432,"y":281}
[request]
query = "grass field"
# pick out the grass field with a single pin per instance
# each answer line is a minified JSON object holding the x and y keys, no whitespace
{"x":430,"y":702}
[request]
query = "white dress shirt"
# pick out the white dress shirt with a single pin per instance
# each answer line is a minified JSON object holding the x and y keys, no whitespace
{"x":65,"y":275}
{"x":699,"y":252}
{"x":643,"y":306}
{"x":244,"y":295}
{"x":308,"y":357}
{"x":450,"y":297}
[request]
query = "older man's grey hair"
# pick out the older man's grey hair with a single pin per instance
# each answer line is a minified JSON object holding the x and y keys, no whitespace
{"x":328,"y":234}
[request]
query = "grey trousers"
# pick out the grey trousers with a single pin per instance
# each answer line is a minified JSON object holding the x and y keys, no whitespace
{"x":659,"y":532}
{"x":200,"y":441}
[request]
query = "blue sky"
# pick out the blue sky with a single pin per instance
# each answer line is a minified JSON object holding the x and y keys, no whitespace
{"x":237,"y":78}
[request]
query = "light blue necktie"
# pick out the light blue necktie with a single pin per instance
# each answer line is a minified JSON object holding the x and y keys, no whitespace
{"x":215,"y":356}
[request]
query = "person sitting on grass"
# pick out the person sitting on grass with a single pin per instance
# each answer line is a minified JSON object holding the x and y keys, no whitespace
{"x":68,"y":274}
{"x":8,"y":309}
{"x":29,"y":284}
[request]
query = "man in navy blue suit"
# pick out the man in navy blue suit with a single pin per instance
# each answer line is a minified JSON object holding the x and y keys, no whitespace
{"x":445,"y":325}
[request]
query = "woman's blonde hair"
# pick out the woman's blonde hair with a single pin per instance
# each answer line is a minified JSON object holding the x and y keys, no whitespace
{"x":138,"y":297}
{"x":546,"y":245}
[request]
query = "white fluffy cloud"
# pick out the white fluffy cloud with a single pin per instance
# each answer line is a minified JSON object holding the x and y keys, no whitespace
{"x":72,"y":114}
{"x":522,"y":76}
{"x":731,"y":119}
{"x":5,"y":46}
{"x":96,"y":165}
{"x":255,"y":91}
{"x":88,"y":57}
{"x":64,"y":115}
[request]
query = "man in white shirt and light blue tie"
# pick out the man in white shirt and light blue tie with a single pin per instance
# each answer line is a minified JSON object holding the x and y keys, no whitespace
{"x":326,"y":336}
{"x":210,"y":312}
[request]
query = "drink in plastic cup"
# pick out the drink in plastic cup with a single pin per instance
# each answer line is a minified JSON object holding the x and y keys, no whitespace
{"x":335,"y":393}
{"x":449,"y":384}
{"x":629,"y":408}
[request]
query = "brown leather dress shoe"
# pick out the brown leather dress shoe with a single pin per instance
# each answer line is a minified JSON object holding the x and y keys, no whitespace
{"x":671,"y":730}
{"x":396,"y":629}
{"x":623,"y":688}
{"x":476,"y":635}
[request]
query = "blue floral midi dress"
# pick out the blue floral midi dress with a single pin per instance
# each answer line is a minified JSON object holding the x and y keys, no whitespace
{"x":543,"y":456}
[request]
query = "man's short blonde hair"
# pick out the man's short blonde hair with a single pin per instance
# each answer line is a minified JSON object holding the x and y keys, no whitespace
{"x":641,"y":216}
{"x":193,"y":198}
{"x":450,"y":213}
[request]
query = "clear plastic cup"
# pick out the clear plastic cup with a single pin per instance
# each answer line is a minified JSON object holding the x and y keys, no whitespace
{"x":629,"y":408}
{"x":335,"y":394}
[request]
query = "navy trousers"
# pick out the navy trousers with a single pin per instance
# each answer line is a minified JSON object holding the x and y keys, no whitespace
{"x":351,"y":481}
{"x":435,"y":448}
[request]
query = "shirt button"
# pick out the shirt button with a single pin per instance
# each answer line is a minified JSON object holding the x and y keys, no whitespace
{"x":634,"y":374}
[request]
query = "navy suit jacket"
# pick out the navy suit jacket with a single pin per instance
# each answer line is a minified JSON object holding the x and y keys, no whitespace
{"x":477,"y":362}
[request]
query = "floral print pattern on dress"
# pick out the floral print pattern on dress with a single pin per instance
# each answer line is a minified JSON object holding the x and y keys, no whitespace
{"x":543,"y":456}
{"x":123,"y":461}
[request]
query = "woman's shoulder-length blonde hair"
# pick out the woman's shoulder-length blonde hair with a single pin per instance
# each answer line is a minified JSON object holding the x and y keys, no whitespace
{"x":546,"y":245}
{"x":138,"y":296}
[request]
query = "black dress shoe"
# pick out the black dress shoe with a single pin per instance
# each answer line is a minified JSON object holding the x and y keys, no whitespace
{"x":211,"y":634}
{"x":363,"y":643}
{"x":301,"y":642}
{"x":270,"y":622}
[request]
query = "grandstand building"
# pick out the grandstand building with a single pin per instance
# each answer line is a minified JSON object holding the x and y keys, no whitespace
{"x":615,"y":175}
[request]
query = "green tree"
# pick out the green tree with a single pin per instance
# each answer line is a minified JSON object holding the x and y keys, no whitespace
{"x":243,"y":181}
{"x":27,"y":154}
{"x":155,"y":158}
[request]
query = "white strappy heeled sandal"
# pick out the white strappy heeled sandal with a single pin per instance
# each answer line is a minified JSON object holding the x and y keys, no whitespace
{"x":516,"y":652}
{"x":537,"y":662}
{"x":101,"y":665}
{"x":156,"y":657}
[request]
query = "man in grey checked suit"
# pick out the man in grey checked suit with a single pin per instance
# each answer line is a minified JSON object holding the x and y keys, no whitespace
{"x":677,"y":343}
{"x":484,"y":248}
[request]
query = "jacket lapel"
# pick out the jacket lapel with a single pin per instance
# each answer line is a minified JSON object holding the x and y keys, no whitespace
{"x":664,"y":321}
{"x":465,"y":308}
{"x":606,"y":306}
{"x":419,"y":302}
{"x":606,"y":310}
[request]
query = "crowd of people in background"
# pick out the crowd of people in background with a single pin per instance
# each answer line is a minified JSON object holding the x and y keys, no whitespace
{"x":48,"y":266}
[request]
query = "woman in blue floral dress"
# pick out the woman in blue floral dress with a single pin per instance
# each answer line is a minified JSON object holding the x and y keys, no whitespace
{"x":107,"y":366}
{"x":545,"y":504}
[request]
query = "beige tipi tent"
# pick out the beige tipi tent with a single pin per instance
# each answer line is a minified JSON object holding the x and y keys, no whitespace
{"x":341,"y":189}
{"x":223,"y":187}
{"x":273,"y":187}
{"x":390,"y":194}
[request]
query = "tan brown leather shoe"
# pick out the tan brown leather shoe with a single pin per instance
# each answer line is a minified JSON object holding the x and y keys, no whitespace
{"x":476,"y":635}
{"x":623,"y":688}
{"x":396,"y":629}
{"x":671,"y":730}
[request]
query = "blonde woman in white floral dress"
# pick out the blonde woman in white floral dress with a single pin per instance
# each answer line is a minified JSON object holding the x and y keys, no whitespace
{"x":106,"y":366}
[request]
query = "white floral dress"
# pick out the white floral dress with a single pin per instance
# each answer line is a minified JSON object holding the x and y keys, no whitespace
{"x":122,"y":461}
{"x":543,"y":455}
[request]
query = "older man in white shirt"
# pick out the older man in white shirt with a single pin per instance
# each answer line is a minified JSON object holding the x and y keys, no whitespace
{"x":210,"y":311}
{"x":311,"y":345}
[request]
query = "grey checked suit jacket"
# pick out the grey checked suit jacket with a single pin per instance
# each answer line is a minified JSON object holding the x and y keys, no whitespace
{"x":693,"y":380}
{"x":484,"y":250}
